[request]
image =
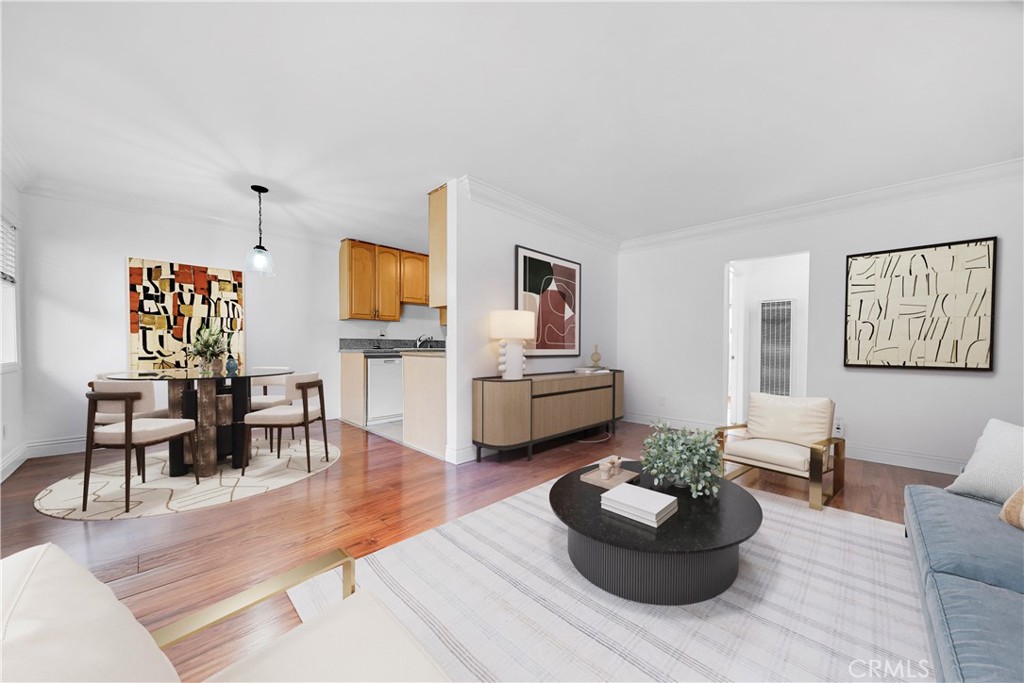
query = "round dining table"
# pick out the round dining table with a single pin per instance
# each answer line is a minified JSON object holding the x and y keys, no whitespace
{"x":197,"y":395}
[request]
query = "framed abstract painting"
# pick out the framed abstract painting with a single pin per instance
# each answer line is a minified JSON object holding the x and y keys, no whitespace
{"x":922,"y":307}
{"x":550,"y":287}
{"x":168,"y":303}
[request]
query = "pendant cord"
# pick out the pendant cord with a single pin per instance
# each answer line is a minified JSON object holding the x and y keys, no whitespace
{"x":260,"y":195}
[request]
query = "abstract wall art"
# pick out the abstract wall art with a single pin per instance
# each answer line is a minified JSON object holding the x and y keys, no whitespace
{"x":550,"y":287}
{"x":169,"y":302}
{"x":922,"y":307}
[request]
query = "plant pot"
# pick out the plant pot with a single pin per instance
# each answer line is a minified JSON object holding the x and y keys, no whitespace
{"x":217,"y":366}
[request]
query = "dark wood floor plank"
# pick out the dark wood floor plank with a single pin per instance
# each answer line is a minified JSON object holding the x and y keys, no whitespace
{"x":379,"y":493}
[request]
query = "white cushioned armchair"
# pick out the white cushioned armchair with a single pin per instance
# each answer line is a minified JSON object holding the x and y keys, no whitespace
{"x":791,"y":435}
{"x":60,"y":623}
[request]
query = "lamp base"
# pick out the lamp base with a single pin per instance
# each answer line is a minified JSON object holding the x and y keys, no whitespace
{"x":511,"y":362}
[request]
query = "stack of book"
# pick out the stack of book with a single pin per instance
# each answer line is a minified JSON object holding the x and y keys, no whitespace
{"x":592,"y":369}
{"x":640,"y":504}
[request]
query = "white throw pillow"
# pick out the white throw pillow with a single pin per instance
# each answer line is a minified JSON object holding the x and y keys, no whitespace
{"x":996,"y":469}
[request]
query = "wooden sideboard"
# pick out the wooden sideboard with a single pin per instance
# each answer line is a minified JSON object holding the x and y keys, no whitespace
{"x":511,"y":414}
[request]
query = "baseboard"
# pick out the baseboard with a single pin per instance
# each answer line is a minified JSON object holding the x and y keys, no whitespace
{"x":854,"y":451}
{"x":460,"y":455}
{"x":915,"y":461}
{"x":12,"y":461}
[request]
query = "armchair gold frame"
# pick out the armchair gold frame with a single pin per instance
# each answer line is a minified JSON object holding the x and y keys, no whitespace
{"x":821,"y":464}
{"x":214,"y":614}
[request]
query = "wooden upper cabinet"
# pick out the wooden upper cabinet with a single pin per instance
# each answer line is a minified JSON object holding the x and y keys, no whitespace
{"x":437,"y":219}
{"x":356,"y":281}
{"x":369,"y":281}
{"x":415,"y":278}
{"x":389,"y":283}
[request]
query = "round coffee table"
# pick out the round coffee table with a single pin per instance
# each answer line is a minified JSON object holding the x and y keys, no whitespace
{"x":693,"y":556}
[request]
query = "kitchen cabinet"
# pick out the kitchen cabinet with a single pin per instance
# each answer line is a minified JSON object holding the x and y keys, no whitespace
{"x":437,"y":220}
{"x":369,"y":281}
{"x":415,"y":278}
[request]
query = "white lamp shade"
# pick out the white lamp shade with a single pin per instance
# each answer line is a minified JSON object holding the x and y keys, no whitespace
{"x":259,"y":261}
{"x":513,"y":325}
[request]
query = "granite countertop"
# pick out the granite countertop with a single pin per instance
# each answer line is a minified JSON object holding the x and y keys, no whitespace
{"x":390,"y":348}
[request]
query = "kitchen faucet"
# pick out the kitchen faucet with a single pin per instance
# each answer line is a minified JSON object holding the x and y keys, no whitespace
{"x":423,"y":339}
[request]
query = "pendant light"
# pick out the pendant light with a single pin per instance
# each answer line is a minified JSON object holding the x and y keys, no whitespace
{"x":259,"y":260}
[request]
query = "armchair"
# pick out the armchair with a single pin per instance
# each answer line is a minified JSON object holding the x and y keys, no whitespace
{"x":792,"y":436}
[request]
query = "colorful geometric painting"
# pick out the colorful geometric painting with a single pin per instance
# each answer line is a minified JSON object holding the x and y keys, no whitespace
{"x":169,"y":302}
{"x":922,"y":307}
{"x":550,"y":287}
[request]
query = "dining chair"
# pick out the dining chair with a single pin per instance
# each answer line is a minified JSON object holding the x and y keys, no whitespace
{"x":131,"y":433}
{"x":144,"y":407}
{"x":266,"y":399}
{"x":296,"y":387}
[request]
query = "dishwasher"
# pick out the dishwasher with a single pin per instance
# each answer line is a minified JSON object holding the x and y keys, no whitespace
{"x":384,"y":391}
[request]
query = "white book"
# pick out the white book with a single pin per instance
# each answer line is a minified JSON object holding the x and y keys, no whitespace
{"x":668,"y":512}
{"x":641,"y":520}
{"x":644,"y":501}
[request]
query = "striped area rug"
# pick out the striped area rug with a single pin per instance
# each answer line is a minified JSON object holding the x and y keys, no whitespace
{"x":821,"y":596}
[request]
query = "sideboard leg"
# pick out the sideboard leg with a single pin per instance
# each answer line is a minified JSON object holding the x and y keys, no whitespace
{"x":529,"y":452}
{"x":478,"y":454}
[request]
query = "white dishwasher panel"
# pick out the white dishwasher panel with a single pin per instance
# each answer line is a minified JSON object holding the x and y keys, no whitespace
{"x":383,"y":390}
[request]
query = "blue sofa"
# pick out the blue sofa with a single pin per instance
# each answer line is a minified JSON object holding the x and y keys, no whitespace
{"x":970,"y":569}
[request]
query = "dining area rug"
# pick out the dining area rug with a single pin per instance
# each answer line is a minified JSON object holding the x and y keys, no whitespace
{"x":164,"y":495}
{"x":493,"y":596}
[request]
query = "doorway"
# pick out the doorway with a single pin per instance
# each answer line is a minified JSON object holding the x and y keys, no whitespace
{"x":767,"y":334}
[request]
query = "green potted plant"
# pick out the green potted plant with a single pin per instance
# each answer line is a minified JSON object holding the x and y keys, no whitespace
{"x":209,"y":347}
{"x":686,"y":458}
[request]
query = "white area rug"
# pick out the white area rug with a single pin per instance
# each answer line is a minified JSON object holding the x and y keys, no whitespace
{"x":163,"y":494}
{"x":494,"y":597}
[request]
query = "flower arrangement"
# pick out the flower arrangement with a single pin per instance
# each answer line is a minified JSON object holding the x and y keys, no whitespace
{"x":684,"y":458}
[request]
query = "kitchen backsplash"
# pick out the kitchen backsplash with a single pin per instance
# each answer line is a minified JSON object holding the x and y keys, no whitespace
{"x":356,"y":344}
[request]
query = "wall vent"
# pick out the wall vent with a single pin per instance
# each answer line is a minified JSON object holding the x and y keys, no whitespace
{"x":776,"y":346}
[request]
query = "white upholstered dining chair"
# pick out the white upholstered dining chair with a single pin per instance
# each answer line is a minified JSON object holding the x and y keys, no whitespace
{"x":297,"y":387}
{"x":121,"y":398}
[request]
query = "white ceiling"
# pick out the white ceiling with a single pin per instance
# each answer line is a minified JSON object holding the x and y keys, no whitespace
{"x":632,"y":119}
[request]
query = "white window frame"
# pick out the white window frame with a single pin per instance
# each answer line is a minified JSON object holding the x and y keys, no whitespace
{"x":12,"y":366}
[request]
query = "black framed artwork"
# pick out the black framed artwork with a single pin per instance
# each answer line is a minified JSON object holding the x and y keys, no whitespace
{"x":550,"y":287}
{"x":929,"y":307}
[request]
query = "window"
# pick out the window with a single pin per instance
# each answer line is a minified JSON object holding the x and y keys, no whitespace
{"x":8,"y":295}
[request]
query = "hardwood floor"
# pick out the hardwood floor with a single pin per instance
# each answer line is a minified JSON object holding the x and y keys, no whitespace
{"x":380,"y":493}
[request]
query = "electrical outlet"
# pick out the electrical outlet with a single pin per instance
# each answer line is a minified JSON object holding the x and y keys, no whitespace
{"x":839,"y":428}
{"x":661,"y":400}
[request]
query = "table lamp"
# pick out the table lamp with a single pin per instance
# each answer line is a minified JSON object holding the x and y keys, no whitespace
{"x":512,"y":327}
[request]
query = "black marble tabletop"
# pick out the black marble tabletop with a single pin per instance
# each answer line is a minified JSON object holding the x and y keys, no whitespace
{"x":700,"y":524}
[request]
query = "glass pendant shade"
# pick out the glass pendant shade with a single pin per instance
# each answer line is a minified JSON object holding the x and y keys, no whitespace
{"x":259,"y":261}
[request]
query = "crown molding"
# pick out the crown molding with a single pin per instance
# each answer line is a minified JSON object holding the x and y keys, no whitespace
{"x":484,"y":193}
{"x":993,"y":174}
{"x":116,"y":201}
{"x":15,"y":167}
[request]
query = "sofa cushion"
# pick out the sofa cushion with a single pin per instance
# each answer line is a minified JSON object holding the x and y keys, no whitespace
{"x":976,"y":628}
{"x":785,"y":418}
{"x":963,"y":536}
{"x":996,"y":468}
{"x":776,"y":454}
{"x":359,"y":640}
{"x":60,"y":623}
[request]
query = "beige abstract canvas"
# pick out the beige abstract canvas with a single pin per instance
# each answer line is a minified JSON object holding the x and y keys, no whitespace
{"x":922,"y":307}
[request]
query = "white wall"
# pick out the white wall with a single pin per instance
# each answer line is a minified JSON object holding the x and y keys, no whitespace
{"x":12,"y":449}
{"x":75,"y":323}
{"x":672,"y":332}
{"x":488,"y":224}
{"x":768,"y":279}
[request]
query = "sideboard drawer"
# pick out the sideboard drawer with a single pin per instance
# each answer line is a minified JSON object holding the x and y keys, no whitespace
{"x":558,"y":384}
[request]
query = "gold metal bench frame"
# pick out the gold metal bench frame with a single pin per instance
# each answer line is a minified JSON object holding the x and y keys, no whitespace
{"x":821,"y":464}
{"x":225,"y":609}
